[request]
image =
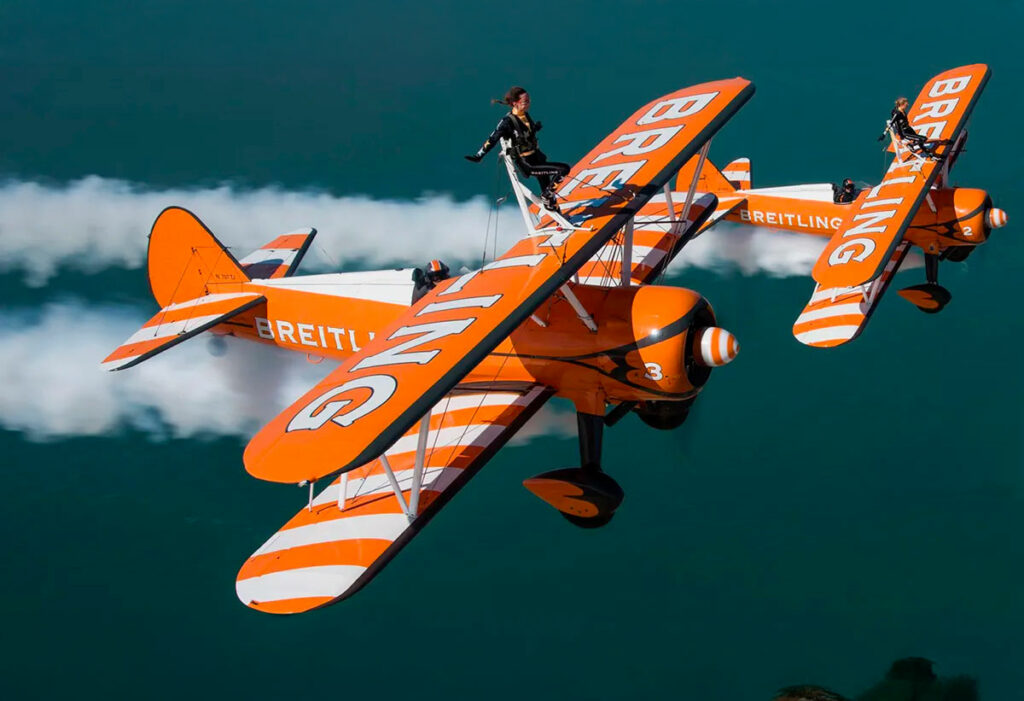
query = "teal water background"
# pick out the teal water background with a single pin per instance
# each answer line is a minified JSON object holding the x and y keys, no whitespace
{"x":820,"y":514}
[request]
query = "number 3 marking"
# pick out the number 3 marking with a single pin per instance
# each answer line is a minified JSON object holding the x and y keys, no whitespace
{"x":654,"y":371}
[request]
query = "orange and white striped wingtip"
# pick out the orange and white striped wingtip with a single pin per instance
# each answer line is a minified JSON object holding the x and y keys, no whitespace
{"x":997,"y":218}
{"x":714,"y":346}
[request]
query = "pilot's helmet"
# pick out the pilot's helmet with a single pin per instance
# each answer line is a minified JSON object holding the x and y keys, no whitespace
{"x":848,"y":184}
{"x":437,"y":270}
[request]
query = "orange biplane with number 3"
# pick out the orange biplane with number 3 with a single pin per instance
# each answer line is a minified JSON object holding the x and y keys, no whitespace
{"x":428,"y":390}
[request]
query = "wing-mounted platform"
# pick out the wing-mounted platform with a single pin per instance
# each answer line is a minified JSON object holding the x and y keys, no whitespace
{"x":376,"y":395}
{"x":874,"y":226}
{"x":834,"y":316}
{"x":353,"y":528}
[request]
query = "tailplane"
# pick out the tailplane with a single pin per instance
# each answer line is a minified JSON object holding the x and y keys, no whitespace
{"x":179,"y":322}
{"x":738,"y":174}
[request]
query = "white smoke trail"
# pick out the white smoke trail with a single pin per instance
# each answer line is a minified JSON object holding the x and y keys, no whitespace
{"x":95,"y":223}
{"x":54,"y":387}
{"x":750,"y":250}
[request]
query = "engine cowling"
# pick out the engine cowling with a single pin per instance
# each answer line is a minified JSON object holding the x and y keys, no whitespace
{"x":653,"y":343}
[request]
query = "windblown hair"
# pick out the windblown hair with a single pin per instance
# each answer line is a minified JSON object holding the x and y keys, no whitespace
{"x":902,"y":100}
{"x":513,"y":94}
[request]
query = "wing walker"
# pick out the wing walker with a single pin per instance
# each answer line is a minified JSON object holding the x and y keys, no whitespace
{"x":436,"y":373}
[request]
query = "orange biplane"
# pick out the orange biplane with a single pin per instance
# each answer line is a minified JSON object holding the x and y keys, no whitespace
{"x":914,"y":204}
{"x":431,"y":385}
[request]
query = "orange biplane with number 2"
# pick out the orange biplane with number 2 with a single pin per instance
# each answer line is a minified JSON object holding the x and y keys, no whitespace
{"x":914,"y":205}
{"x":428,"y":390}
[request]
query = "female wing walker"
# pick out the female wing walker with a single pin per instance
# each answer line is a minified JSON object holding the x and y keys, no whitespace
{"x":427,"y":391}
{"x":915,"y":204}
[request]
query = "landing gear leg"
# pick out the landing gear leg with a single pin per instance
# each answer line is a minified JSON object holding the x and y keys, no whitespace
{"x":931,"y":268}
{"x":931,"y":297}
{"x":585,"y":495}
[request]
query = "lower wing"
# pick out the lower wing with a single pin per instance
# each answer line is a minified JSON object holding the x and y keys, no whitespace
{"x":834,"y":316}
{"x":354,"y":527}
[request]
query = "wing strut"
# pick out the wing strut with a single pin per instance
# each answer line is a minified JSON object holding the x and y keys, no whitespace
{"x":693,"y":187}
{"x":627,"y":250}
{"x":417,"y":471}
{"x":410,"y":508}
{"x":394,"y":484}
{"x":580,"y":310}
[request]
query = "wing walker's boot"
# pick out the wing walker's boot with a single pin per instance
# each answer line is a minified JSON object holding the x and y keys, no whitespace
{"x":550,"y":201}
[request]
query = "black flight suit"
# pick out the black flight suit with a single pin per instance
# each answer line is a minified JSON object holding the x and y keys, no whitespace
{"x":529,"y":159}
{"x":901,"y":127}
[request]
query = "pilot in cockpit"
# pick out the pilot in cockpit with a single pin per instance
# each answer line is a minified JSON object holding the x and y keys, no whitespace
{"x":425,"y":281}
{"x":845,"y":193}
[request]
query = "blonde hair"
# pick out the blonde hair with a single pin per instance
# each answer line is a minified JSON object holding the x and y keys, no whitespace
{"x":902,"y":101}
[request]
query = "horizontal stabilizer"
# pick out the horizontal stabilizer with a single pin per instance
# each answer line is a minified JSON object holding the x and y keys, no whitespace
{"x":178,"y":322}
{"x":836,"y":316}
{"x":724,"y":206}
{"x":280,"y":257}
{"x":331,"y":548}
{"x":738,"y":173}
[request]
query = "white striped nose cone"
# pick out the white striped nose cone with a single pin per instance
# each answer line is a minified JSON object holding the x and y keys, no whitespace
{"x":713,"y":346}
{"x":996,"y":218}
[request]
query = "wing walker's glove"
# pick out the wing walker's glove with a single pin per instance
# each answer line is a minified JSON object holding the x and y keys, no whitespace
{"x":476,"y":158}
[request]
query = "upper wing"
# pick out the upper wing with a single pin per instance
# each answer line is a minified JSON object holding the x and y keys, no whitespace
{"x":376,"y":395}
{"x":874,"y":226}
{"x":329,"y":550}
{"x":834,"y":316}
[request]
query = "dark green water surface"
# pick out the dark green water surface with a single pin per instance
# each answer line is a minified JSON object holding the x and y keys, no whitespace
{"x":820,"y":514}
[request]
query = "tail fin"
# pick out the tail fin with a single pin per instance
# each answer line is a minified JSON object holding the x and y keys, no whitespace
{"x":735,"y":176}
{"x":185,"y":257}
{"x":738,"y":173}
